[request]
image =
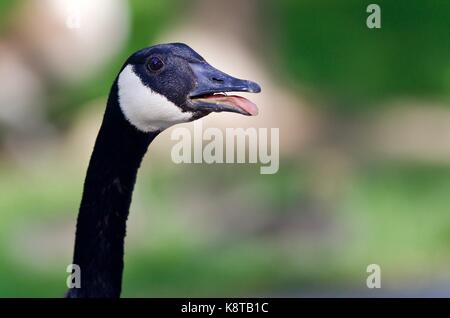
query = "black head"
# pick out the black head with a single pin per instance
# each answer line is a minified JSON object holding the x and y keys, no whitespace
{"x":170,"y":83}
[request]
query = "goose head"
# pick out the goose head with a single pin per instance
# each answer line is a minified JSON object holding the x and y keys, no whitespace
{"x":166,"y":84}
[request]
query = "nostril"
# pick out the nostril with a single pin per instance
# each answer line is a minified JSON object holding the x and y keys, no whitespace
{"x":218,"y":80}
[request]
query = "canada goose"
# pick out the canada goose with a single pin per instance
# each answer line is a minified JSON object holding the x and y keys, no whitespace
{"x":157,"y":87}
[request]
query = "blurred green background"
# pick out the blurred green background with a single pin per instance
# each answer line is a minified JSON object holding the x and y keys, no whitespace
{"x":364,"y":122}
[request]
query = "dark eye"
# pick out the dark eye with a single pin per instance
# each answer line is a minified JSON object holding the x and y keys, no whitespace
{"x":155,"y":64}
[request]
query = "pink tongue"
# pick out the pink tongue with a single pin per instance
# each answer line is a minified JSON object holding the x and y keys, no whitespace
{"x":237,"y":101}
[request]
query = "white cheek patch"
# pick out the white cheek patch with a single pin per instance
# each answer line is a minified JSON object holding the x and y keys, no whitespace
{"x":144,"y":108}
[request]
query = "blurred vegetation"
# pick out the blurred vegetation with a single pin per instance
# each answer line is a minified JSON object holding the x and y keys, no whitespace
{"x":327,"y":45}
{"x":401,"y":213}
{"x":5,"y":8}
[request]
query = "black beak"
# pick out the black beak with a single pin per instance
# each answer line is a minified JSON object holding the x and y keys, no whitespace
{"x":211,"y":82}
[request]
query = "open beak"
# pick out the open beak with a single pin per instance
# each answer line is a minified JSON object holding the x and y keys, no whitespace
{"x":211,"y":87}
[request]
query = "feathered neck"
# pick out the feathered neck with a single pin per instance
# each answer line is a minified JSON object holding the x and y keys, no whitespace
{"x":108,"y":188}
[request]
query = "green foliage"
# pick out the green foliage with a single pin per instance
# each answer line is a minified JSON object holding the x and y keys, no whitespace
{"x":6,"y":6}
{"x":327,"y":45}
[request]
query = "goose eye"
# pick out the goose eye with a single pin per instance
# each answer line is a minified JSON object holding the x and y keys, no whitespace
{"x":155,"y":64}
